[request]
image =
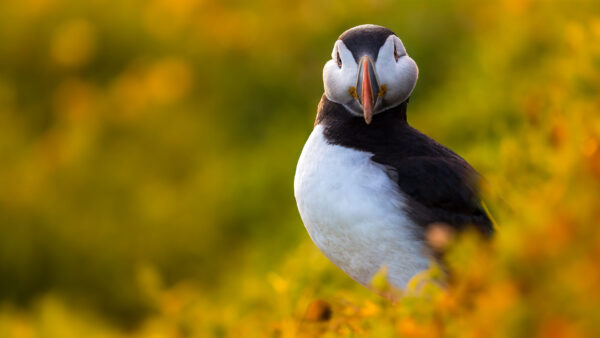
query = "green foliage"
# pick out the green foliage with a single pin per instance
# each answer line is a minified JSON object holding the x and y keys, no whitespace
{"x":147,"y":153}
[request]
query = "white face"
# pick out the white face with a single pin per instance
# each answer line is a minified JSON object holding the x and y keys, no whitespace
{"x":396,"y":74}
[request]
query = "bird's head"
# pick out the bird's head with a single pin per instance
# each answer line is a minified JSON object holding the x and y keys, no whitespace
{"x":369,"y":71}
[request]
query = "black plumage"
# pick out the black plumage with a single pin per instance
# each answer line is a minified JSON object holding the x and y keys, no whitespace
{"x":365,"y":40}
{"x":440,"y":186}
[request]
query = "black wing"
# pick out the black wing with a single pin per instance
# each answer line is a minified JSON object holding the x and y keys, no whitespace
{"x":440,"y":189}
{"x":439,"y":184}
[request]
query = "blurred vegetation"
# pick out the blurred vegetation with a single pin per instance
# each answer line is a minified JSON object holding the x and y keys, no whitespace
{"x":147,"y":153}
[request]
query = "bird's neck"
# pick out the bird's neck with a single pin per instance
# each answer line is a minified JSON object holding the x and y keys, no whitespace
{"x":343,"y":128}
{"x":331,"y":112}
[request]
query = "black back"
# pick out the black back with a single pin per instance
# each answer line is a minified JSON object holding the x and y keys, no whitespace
{"x":365,"y":40}
{"x":440,"y":186}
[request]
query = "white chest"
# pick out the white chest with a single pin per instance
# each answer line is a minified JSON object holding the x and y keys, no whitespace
{"x":355,"y":214}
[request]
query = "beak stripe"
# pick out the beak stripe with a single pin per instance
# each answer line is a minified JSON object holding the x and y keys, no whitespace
{"x":367,"y":90}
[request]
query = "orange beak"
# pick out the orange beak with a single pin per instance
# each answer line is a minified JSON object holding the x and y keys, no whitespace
{"x":368,"y":88}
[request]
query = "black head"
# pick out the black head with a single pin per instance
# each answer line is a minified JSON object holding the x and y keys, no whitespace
{"x":365,"y":40}
{"x":369,"y":72}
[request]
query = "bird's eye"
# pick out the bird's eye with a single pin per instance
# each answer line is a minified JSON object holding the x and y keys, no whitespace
{"x":396,"y":56}
{"x":339,"y":60}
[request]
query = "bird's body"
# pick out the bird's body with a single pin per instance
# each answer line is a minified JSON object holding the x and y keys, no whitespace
{"x":366,"y":192}
{"x":353,"y":212}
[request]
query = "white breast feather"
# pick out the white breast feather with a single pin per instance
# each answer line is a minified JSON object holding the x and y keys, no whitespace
{"x":355,"y":213}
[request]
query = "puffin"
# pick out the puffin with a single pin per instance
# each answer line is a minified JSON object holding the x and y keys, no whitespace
{"x":368,"y":186}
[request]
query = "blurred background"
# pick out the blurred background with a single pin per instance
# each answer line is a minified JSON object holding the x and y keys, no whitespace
{"x":148,"y":148}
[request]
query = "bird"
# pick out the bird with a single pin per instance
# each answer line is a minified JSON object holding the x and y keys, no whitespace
{"x":368,"y":186}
